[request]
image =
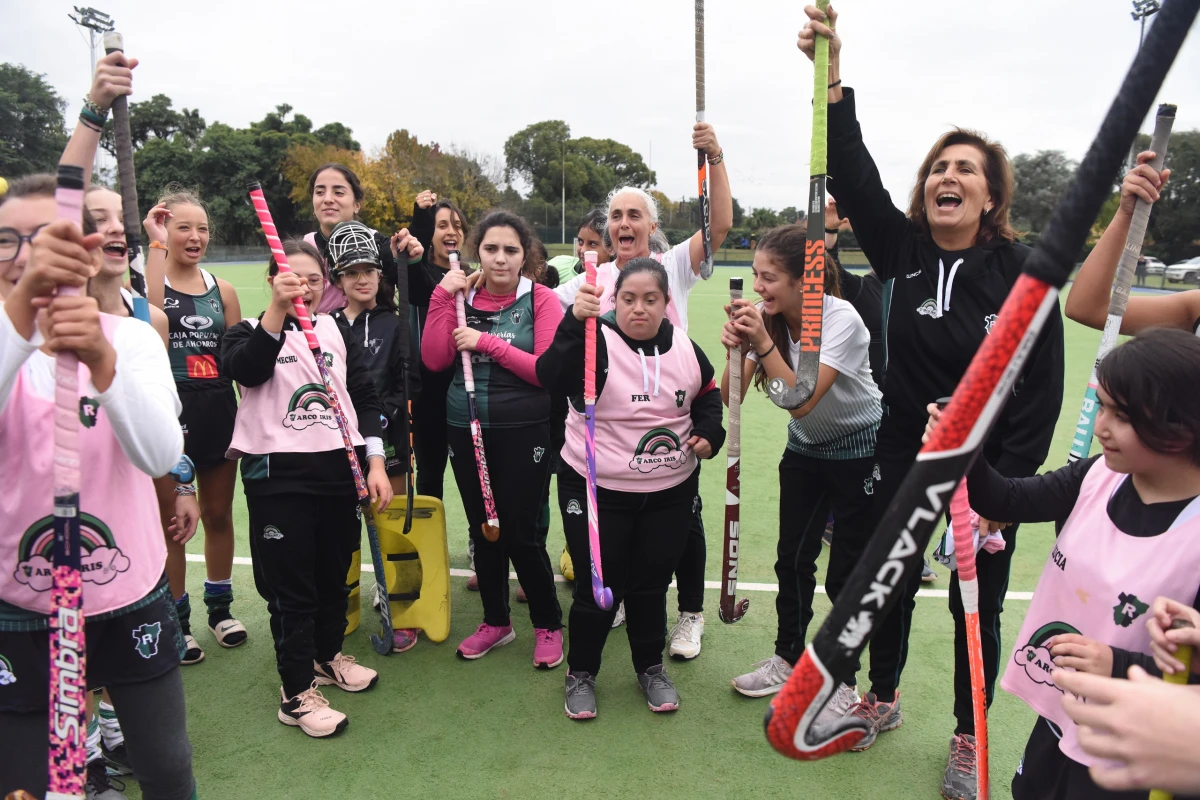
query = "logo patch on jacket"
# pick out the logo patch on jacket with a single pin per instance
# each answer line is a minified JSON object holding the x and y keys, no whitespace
{"x":928,"y":308}
{"x":679,"y":396}
{"x":988,"y":322}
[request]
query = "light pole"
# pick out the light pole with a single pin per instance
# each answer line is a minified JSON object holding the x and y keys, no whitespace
{"x":564,"y":191}
{"x":97,"y":23}
{"x":1141,"y":10}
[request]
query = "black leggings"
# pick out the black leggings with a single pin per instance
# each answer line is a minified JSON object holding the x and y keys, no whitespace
{"x":518,"y":460}
{"x":889,"y":645}
{"x":429,"y":435}
{"x":808,"y":489}
{"x":641,"y":538}
{"x":302,"y":547}
{"x":689,"y":573}
{"x":153,"y":719}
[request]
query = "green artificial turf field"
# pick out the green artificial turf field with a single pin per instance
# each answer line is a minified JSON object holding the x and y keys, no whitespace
{"x":437,"y":726}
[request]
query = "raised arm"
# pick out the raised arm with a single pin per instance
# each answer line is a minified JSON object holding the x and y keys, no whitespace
{"x":882,"y":229}
{"x":1087,"y":302}
{"x":113,"y":78}
{"x":720,"y":201}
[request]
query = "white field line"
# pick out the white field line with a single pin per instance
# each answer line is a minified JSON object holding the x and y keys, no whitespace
{"x":748,"y":587}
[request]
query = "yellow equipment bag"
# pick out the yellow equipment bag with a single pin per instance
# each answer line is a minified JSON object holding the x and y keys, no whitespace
{"x":417,"y":566}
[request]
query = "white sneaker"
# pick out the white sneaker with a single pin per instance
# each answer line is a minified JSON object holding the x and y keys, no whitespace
{"x":619,"y":619}
{"x":685,"y":636}
{"x":841,"y":702}
{"x":767,"y":677}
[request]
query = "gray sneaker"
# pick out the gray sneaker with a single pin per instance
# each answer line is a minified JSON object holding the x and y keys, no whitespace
{"x":880,"y":716}
{"x":845,"y":698}
{"x":660,"y":692}
{"x":768,"y":677}
{"x":960,"y":781}
{"x":581,"y":695}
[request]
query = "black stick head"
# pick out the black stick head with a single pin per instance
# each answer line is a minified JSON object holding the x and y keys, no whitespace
{"x":735,"y":284}
{"x":252,"y":185}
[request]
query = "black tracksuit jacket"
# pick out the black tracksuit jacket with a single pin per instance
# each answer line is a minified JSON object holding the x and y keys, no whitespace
{"x":931,"y":337}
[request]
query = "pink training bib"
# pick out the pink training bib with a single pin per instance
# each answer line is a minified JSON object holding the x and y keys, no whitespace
{"x":123,"y":551}
{"x":292,"y":413}
{"x":643,"y":417}
{"x":1099,"y":582}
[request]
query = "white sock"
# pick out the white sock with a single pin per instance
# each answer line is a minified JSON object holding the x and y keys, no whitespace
{"x":110,"y":726}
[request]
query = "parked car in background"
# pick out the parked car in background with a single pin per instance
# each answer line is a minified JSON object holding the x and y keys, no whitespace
{"x":1154,"y":266}
{"x":1186,"y":271}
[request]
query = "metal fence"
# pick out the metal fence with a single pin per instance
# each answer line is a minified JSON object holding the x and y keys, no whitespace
{"x":231,"y":254}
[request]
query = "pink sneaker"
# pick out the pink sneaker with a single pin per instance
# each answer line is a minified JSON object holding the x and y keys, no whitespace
{"x":485,"y":637}
{"x":547,"y":652}
{"x":521,"y":598}
{"x":404,"y":639}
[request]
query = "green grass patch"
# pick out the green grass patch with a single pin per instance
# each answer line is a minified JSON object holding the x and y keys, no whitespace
{"x":436,"y":726}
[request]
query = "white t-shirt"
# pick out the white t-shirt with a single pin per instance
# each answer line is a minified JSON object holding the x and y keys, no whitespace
{"x":680,"y":279}
{"x":853,"y":403}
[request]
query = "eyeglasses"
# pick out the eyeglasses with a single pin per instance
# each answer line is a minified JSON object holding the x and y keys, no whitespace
{"x":315,"y":281}
{"x":355,"y":274}
{"x":11,"y":241}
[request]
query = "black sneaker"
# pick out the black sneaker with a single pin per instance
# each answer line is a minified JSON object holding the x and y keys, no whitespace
{"x":117,"y":758}
{"x":581,"y":695}
{"x":99,"y":786}
{"x":660,"y":692}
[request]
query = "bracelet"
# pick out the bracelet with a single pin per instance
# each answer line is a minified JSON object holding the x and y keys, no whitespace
{"x":838,"y":82}
{"x":87,"y":123}
{"x":720,"y":157}
{"x":832,"y":230}
{"x":185,"y":490}
{"x":761,"y":356}
{"x":90,"y":105}
{"x":87,"y":116}
{"x":157,"y":246}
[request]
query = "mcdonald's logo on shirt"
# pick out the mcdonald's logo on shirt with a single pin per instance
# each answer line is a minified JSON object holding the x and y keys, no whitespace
{"x":202,"y":367}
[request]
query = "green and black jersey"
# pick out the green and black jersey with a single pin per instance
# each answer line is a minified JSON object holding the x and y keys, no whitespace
{"x":197,"y":323}
{"x":502,"y":399}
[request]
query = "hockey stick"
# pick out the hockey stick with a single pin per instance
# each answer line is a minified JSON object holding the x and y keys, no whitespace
{"x":129,"y":199}
{"x":1081,"y":444}
{"x":968,"y":586}
{"x":895,"y":551}
{"x":600,"y":593}
{"x":68,"y":650}
{"x":490,"y":526}
{"x":382,"y":642}
{"x":813,"y":309}
{"x":732,"y":609}
{"x":1180,"y":678}
{"x":706,"y":266}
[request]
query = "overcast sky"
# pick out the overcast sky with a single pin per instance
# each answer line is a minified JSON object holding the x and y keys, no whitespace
{"x":1035,"y":75}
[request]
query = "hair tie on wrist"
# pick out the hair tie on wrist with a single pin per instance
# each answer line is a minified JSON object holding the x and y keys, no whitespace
{"x":761,"y":356}
{"x":833,"y":230}
{"x":838,"y":82}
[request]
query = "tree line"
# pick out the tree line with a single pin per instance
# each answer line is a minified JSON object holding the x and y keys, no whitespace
{"x":540,"y":164}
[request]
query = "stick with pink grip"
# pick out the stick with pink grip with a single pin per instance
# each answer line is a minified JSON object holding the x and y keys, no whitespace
{"x":491,"y":525}
{"x":382,"y":642}
{"x":68,"y":651}
{"x":600,"y":593}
